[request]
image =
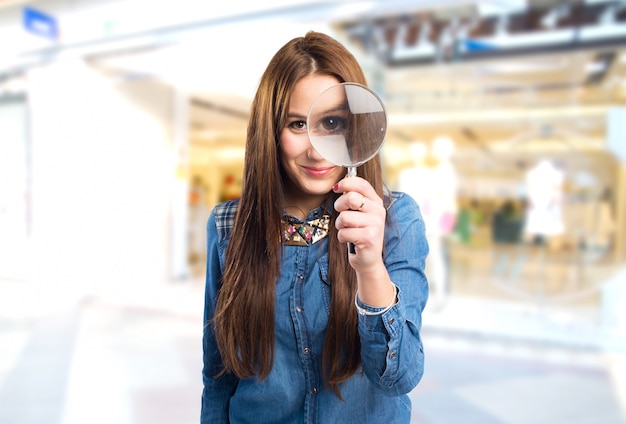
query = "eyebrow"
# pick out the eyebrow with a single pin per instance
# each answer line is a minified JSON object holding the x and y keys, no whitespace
{"x":341,"y":107}
{"x":292,"y":115}
{"x":338,"y":106}
{"x":333,"y":109}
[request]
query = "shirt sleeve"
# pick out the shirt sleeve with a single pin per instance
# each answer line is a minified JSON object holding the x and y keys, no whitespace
{"x":217,"y":390}
{"x":391,"y":347}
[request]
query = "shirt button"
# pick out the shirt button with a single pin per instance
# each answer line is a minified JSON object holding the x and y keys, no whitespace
{"x":392,"y":355}
{"x":392,"y":320}
{"x":298,"y":309}
{"x":301,"y":277}
{"x":313,"y":390}
{"x":306,"y":350}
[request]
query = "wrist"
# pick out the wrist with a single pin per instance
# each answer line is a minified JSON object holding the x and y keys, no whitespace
{"x":368,"y":309}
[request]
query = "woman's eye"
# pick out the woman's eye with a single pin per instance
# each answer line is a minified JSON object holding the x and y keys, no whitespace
{"x":298,"y":125}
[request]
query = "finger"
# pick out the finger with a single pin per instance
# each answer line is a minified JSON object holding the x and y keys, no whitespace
{"x":361,"y":205}
{"x":357,"y":184}
{"x":362,"y":237}
{"x":351,"y":201}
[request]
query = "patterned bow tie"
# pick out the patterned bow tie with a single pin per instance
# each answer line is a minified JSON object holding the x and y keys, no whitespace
{"x":307,"y":233}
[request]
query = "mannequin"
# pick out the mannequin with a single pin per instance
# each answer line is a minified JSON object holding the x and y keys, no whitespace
{"x":432,"y":182}
{"x":545,"y":225}
{"x":544,"y":185}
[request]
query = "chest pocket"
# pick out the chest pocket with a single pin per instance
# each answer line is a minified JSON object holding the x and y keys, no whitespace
{"x":322,"y":264}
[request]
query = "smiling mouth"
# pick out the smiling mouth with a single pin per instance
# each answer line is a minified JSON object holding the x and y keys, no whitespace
{"x":319,"y":172}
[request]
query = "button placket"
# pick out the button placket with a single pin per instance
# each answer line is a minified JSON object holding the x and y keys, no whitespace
{"x":303,"y":333}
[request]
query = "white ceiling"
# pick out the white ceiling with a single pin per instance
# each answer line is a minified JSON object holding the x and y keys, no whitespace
{"x":484,"y":105}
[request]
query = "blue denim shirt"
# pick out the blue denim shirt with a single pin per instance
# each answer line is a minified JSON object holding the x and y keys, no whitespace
{"x":294,"y":392}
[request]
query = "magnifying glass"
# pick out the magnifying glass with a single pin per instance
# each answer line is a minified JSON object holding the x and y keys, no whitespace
{"x":347,"y":124}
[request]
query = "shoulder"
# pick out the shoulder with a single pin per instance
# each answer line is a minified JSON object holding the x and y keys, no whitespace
{"x":400,"y":202}
{"x":406,"y":231}
{"x":224,"y":217}
{"x":403,"y":210}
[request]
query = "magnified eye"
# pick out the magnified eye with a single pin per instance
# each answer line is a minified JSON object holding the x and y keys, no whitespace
{"x":332,"y":124}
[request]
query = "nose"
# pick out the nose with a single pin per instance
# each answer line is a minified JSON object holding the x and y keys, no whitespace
{"x":312,"y":154}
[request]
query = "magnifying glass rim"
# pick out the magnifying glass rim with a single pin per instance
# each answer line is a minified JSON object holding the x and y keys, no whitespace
{"x":376,"y":96}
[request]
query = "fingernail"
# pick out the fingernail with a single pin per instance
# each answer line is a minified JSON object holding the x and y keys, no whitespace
{"x":336,"y":187}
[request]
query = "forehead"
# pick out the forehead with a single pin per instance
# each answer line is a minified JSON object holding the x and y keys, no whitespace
{"x":306,"y":91}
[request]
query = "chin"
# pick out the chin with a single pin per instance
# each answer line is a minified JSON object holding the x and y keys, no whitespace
{"x":319,"y":189}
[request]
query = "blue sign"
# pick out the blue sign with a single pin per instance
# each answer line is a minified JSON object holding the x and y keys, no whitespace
{"x":477,"y":46}
{"x":40,"y":23}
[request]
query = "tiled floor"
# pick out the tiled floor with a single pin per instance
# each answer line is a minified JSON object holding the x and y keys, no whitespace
{"x":491,"y":381}
{"x":73,"y":358}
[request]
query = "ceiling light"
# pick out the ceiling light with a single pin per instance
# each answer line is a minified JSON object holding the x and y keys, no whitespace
{"x":419,"y":51}
{"x":552,"y":18}
{"x":522,"y":67}
{"x":487,"y":9}
{"x":353,"y":9}
{"x":595,"y":67}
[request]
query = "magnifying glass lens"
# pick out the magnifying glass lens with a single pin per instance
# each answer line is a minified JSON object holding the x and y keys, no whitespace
{"x":347,"y":124}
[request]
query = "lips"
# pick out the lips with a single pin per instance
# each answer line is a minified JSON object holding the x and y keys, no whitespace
{"x":319,"y":172}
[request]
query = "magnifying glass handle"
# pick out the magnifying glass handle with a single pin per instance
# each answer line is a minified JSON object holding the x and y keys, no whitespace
{"x":351,"y":173}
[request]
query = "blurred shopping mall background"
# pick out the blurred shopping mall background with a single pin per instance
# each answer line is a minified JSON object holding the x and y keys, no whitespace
{"x":122,"y":123}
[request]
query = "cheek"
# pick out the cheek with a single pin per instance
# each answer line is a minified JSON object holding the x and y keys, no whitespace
{"x":290,"y":146}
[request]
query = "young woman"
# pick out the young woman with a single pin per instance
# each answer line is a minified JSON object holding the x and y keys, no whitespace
{"x":297,"y":330}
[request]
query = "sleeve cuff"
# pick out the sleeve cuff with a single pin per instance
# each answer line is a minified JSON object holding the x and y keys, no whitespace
{"x":364,"y":309}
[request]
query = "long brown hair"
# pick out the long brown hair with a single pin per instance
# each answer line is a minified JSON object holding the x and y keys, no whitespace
{"x":244,"y":317}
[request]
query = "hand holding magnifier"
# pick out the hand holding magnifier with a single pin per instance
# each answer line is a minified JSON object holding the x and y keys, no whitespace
{"x":347,"y":124}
